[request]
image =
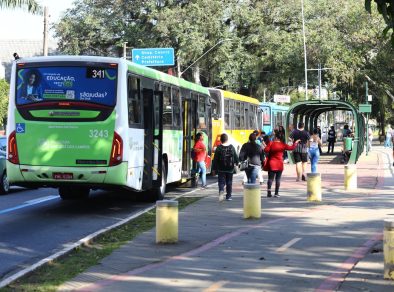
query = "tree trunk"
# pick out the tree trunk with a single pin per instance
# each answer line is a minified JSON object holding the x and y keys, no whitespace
{"x":196,"y":73}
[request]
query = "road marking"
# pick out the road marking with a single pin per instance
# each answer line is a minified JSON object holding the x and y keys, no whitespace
{"x":28,"y":204}
{"x":287,"y":245}
{"x":215,"y":286}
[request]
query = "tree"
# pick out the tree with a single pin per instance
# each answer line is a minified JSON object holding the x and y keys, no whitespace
{"x":31,"y":5}
{"x":386,"y":9}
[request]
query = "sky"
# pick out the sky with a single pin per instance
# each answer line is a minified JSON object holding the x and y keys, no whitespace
{"x":18,"y":24}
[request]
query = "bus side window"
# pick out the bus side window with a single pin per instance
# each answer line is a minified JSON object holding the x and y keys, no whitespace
{"x":202,"y":113}
{"x":227,"y":113}
{"x":167,"y":107}
{"x":134,"y":100}
{"x":237,"y":116}
{"x":242,"y":116}
{"x":177,"y":107}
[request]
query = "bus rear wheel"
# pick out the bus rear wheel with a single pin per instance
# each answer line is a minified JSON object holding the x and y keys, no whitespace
{"x":4,"y":184}
{"x":73,"y":193}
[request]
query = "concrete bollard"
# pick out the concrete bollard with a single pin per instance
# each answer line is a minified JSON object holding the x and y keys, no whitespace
{"x":252,"y":201}
{"x":350,"y":179}
{"x":388,"y":249}
{"x":166,"y":221}
{"x":314,"y":187}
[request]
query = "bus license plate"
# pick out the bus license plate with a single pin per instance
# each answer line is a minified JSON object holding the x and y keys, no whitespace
{"x":61,"y":175}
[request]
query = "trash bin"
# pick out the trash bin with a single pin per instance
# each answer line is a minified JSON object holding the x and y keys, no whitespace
{"x":348,"y":144}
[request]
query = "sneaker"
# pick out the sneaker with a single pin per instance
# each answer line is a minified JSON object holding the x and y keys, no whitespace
{"x":221,"y":196}
{"x":298,"y":179}
{"x":277,"y":196}
{"x":229,"y":199}
{"x":269,"y":194}
{"x":204,"y":187}
{"x":303,"y":177}
{"x":261,"y":182}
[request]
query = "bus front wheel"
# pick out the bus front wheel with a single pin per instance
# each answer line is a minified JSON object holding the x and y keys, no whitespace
{"x":73,"y":193}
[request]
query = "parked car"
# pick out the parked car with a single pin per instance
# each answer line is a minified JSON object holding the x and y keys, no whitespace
{"x":3,"y":143}
{"x":4,"y":184}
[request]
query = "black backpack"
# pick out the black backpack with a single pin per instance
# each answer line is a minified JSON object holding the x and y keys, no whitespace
{"x":227,"y":157}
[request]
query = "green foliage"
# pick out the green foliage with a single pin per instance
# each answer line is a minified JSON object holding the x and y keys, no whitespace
{"x":250,"y":46}
{"x":386,"y":9}
{"x":4,"y":92}
{"x":31,"y":5}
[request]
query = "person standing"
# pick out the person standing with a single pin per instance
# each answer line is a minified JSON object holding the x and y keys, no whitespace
{"x":274,"y":151}
{"x":370,"y":138}
{"x":389,"y":134}
{"x":331,"y":139}
{"x":223,"y":164}
{"x":319,"y":133}
{"x":314,"y":153}
{"x":200,"y":153}
{"x":252,"y":152}
{"x":301,"y":151}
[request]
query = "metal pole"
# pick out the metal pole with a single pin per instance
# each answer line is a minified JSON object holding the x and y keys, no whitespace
{"x":319,"y":70}
{"x":305,"y":60}
{"x":45,"y":42}
{"x":366,"y":128}
{"x":124,"y":50}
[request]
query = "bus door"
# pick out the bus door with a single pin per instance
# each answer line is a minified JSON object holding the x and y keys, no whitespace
{"x":153,"y":125}
{"x":189,"y":119}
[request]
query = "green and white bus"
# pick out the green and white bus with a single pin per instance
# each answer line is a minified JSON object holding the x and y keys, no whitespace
{"x":78,"y":123}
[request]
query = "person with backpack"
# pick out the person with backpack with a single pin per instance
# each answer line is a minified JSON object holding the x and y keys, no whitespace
{"x":252,"y":152}
{"x":200,"y":153}
{"x":301,"y":151}
{"x":223,"y":164}
{"x":331,"y":139}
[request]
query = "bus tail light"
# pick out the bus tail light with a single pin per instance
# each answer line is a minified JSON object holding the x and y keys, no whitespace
{"x":13,"y":149}
{"x":116,"y":151}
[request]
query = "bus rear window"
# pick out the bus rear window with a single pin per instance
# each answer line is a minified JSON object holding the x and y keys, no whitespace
{"x":87,"y":84}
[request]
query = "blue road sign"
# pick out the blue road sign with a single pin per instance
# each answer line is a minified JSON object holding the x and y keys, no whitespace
{"x":154,"y":56}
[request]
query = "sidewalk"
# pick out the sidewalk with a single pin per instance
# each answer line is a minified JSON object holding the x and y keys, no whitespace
{"x":294,"y":246}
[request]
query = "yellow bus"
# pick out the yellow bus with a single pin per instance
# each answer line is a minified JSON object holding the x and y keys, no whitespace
{"x":234,"y":114}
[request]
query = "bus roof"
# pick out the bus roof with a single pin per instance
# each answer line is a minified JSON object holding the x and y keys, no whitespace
{"x":139,"y":69}
{"x":275,"y":106}
{"x":236,"y":96}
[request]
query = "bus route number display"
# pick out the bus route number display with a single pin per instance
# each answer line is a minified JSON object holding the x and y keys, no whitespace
{"x":95,"y":73}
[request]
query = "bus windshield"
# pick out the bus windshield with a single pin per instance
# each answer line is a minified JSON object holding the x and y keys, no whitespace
{"x":66,"y":83}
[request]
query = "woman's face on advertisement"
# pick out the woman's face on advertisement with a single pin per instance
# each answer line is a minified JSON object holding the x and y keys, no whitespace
{"x":32,"y":79}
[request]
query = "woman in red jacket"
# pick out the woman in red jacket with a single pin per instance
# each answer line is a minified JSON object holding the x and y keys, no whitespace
{"x":274,"y":152}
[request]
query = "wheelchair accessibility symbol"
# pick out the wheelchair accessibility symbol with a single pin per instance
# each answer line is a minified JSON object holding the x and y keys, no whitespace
{"x":20,"y":128}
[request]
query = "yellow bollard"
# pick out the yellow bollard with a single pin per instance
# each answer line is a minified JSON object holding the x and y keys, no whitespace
{"x":166,"y":221}
{"x":252,"y":201}
{"x":350,"y":178}
{"x":314,"y":187}
{"x":388,"y":249}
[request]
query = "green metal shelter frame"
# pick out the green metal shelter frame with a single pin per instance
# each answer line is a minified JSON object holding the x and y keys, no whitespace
{"x":308,"y":112}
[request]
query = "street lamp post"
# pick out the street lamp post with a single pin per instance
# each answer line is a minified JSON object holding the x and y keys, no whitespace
{"x":305,"y":59}
{"x":215,"y":45}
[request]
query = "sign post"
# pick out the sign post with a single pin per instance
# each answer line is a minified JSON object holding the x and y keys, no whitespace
{"x":153,"y":57}
{"x":282,"y":98}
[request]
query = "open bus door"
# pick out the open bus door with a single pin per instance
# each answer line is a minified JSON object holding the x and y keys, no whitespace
{"x":154,"y":173}
{"x":189,"y":119}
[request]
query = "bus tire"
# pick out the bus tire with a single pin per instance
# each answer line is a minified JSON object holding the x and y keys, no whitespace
{"x":5,"y":184}
{"x":76,"y":193}
{"x":159,"y":193}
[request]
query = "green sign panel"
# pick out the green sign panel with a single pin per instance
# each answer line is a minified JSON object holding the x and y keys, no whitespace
{"x":365,"y":108}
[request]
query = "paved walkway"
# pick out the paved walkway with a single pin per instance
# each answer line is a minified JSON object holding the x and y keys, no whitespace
{"x":294,"y":246}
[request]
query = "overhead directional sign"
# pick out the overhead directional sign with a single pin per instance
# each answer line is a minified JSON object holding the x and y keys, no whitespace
{"x":153,"y":56}
{"x":365,"y":108}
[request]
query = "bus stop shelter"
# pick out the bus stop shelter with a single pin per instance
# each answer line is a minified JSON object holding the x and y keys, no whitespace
{"x":309,"y":111}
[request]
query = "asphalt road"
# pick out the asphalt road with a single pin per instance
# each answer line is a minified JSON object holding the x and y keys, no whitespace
{"x":35,"y":224}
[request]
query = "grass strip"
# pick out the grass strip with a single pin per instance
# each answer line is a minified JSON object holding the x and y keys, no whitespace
{"x":50,"y":276}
